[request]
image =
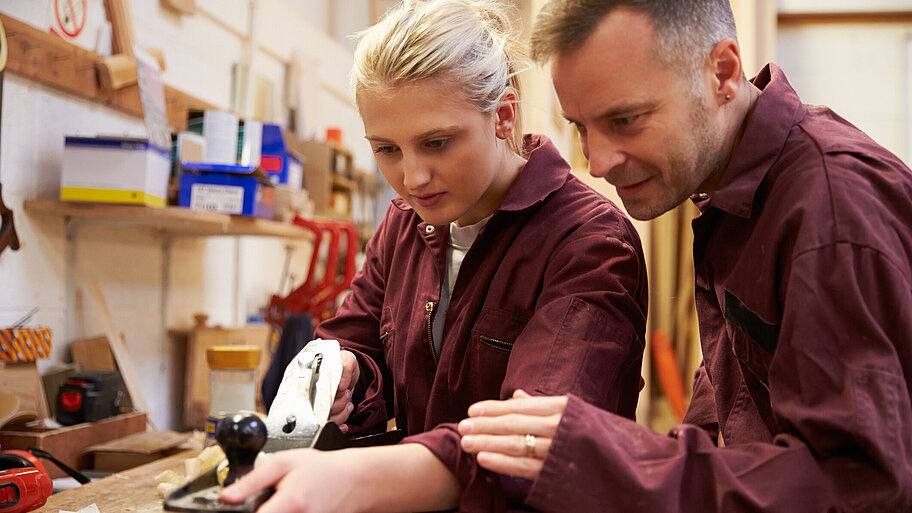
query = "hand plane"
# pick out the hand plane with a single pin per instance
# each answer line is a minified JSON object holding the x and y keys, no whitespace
{"x":298,"y":418}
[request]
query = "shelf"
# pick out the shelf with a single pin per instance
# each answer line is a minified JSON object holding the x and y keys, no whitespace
{"x":341,"y":182}
{"x":171,"y":220}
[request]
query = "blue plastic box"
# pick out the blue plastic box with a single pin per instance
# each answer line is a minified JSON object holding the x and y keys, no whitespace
{"x":226,"y":189}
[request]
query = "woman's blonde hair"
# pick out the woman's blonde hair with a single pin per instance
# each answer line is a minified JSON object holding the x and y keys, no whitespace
{"x":467,"y":43}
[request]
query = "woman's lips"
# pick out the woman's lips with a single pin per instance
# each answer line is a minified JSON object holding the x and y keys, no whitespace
{"x":428,"y":200}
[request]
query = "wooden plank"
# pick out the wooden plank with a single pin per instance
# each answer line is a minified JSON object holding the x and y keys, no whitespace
{"x":24,"y":381}
{"x":51,"y":61}
{"x":93,"y":353}
{"x":119,"y":348}
{"x":121,"y":18}
{"x":145,"y":442}
{"x":802,"y":18}
{"x":170,"y":219}
{"x":181,"y":6}
{"x":68,"y":443}
{"x":116,"y":72}
{"x":132,"y":490}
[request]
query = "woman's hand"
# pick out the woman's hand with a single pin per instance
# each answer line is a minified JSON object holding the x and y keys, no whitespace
{"x":349,"y":480}
{"x":305,"y":480}
{"x":343,"y":406}
{"x":512,"y":437}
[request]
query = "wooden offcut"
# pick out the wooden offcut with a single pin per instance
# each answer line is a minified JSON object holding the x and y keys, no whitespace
{"x":24,"y":381}
{"x":93,"y":354}
{"x":121,"y":18}
{"x":117,"y":71}
{"x":119,"y":348}
{"x":69,"y":443}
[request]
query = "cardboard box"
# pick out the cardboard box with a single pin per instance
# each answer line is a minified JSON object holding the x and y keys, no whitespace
{"x":115,"y":170}
{"x":220,"y":129}
{"x":234,"y":189}
{"x":136,"y":449}
{"x":69,"y":444}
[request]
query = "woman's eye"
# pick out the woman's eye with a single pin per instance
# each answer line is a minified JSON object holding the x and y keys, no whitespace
{"x":384,"y":149}
{"x":436,"y":144}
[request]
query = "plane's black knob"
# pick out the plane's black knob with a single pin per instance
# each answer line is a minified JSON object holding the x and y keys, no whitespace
{"x":241,"y":437}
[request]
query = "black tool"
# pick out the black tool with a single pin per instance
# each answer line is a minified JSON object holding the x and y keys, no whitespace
{"x":241,"y":439}
{"x":89,"y":396}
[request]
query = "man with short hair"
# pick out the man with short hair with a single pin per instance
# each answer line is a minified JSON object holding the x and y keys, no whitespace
{"x":803,"y":264}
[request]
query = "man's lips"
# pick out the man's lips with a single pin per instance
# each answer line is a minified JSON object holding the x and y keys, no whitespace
{"x":631,"y":189}
{"x":428,"y":200}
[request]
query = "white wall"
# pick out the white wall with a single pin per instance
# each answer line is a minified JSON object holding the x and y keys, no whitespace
{"x":863,"y":71}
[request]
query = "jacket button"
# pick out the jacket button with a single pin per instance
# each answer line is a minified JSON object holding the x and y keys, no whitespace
{"x":428,"y":229}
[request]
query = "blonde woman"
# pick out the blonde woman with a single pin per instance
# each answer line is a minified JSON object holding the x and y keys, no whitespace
{"x":494,"y":269}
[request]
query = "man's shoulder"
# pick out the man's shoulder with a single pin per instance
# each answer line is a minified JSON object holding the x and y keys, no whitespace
{"x":578,"y":206}
{"x":833,"y":184}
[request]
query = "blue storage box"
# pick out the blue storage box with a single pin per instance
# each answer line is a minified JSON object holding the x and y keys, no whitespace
{"x":227,"y":189}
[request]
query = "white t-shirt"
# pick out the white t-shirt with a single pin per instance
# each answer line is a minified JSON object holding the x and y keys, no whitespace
{"x":461,"y":239}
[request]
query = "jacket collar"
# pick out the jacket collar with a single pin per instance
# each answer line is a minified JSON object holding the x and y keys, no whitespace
{"x":545,"y":172}
{"x":778,"y":109}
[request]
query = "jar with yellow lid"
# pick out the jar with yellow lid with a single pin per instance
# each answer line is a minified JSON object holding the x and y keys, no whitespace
{"x":232,"y":381}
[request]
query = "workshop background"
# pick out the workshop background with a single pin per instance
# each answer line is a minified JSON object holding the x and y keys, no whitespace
{"x":263,"y":58}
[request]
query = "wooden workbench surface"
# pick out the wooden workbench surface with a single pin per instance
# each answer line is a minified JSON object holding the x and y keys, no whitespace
{"x":131,"y":491}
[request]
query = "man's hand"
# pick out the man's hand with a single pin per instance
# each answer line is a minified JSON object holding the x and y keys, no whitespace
{"x":512,"y":437}
{"x":343,"y":406}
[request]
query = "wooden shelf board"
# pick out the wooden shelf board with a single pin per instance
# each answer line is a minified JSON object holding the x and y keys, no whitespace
{"x":344,"y":183}
{"x":172,"y":220}
{"x":49,"y":60}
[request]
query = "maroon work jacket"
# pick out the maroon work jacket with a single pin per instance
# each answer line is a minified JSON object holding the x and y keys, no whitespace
{"x":550,"y":298}
{"x":803,"y":260}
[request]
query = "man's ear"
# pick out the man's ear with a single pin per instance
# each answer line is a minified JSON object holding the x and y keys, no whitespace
{"x":727,"y":71}
{"x":505,"y":115}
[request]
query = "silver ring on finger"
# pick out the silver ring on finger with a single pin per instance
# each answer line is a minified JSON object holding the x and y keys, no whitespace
{"x":529,"y":442}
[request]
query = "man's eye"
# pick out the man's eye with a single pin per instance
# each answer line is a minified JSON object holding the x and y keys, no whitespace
{"x":436,"y":144}
{"x":626,"y":121}
{"x":579,"y":127}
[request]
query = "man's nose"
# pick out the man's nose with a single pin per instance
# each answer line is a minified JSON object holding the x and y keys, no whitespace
{"x":604,"y":155}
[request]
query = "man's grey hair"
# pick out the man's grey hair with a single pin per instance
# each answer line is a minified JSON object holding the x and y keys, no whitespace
{"x":686,"y":30}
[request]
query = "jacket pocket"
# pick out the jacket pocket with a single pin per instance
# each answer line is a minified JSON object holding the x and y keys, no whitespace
{"x":498,"y":329}
{"x":488,"y":352}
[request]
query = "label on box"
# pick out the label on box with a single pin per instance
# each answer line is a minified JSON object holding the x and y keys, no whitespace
{"x":227,"y":199}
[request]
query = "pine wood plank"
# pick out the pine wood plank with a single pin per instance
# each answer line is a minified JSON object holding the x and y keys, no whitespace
{"x":131,"y":490}
{"x":119,"y":348}
{"x":169,"y":219}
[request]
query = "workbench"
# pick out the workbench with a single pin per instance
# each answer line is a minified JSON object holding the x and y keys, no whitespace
{"x":131,"y":491}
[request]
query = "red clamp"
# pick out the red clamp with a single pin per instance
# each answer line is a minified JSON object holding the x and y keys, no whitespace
{"x":318,"y":298}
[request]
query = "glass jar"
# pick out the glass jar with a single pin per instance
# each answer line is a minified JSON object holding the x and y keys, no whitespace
{"x":232,"y":382}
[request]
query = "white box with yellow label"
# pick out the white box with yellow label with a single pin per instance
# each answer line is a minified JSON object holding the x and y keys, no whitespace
{"x":115,"y":170}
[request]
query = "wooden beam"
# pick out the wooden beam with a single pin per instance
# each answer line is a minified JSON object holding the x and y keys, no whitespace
{"x":49,"y":60}
{"x":121,"y":18}
{"x":119,"y":349}
{"x":800,"y":18}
